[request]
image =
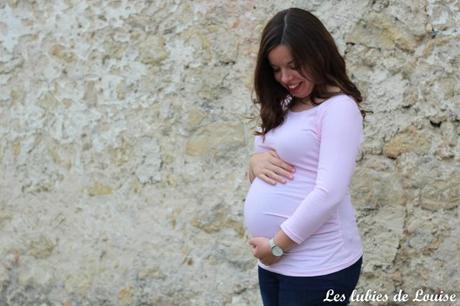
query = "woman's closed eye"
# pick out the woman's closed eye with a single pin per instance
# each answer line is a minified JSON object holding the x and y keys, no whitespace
{"x":291,"y":67}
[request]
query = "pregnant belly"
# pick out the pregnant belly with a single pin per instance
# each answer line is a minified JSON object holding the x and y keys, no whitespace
{"x":267,"y":206}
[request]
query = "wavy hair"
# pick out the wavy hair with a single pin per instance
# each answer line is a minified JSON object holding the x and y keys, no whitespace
{"x":313,"y":50}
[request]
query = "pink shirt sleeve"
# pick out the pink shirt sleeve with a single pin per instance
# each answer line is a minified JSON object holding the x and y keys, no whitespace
{"x":341,"y":135}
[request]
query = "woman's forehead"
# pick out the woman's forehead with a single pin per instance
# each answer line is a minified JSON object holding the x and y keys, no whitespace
{"x":280,"y":56}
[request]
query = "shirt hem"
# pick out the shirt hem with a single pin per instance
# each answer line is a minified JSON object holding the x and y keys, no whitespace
{"x":344,"y":265}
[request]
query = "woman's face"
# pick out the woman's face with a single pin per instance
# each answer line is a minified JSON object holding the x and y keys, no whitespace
{"x":287,"y":74}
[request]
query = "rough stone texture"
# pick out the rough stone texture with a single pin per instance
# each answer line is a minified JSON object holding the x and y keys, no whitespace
{"x":125,"y":135}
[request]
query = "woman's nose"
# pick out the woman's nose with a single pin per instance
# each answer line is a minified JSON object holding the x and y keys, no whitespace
{"x":286,"y":76}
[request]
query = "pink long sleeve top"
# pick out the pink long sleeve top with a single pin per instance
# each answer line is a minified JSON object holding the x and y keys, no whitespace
{"x":314,"y":209}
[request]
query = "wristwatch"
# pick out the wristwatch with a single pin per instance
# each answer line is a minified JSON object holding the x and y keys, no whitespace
{"x":276,"y":250}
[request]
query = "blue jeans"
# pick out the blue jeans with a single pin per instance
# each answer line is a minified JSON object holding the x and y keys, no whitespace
{"x":282,"y":290}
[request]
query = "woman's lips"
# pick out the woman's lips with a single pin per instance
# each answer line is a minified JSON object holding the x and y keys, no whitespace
{"x":294,"y":87}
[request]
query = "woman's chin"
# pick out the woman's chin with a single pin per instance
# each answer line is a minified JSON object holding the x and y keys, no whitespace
{"x":300,"y":96}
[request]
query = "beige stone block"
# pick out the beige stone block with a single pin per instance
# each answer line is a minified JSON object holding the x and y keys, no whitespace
{"x":381,"y":31}
{"x":77,"y":283}
{"x":48,"y":101}
{"x":216,"y":219}
{"x":61,"y":52}
{"x":121,"y":155}
{"x":441,"y":193}
{"x":121,"y":90}
{"x":196,"y":38}
{"x":17,"y":95}
{"x":41,"y":247}
{"x":99,"y":189}
{"x":4,"y":276}
{"x":444,"y":151}
{"x":125,"y":296}
{"x":13,"y":3}
{"x":435,"y":44}
{"x":194,"y":117}
{"x":449,"y":133}
{"x":410,"y":140}
{"x":91,"y":96}
{"x":31,"y":273}
{"x":216,"y":137}
{"x":152,"y":273}
{"x":60,"y":156}
{"x":152,"y":50}
{"x":16,"y":148}
{"x":5,"y":216}
{"x":8,"y":67}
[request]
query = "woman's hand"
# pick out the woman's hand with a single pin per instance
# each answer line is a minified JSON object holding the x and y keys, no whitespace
{"x":260,"y":248}
{"x":270,"y":168}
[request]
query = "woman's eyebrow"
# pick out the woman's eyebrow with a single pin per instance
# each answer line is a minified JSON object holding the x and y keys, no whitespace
{"x":289,"y":63}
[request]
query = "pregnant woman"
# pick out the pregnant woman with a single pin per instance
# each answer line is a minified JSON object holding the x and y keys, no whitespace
{"x":303,"y":228}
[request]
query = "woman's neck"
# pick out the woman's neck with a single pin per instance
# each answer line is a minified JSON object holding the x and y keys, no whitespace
{"x":300,"y":104}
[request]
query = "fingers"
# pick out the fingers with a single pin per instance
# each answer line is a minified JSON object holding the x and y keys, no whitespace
{"x":255,"y":243}
{"x":285,"y":174}
{"x":260,"y":249}
{"x":279,"y":173}
{"x":254,"y":251}
{"x":267,"y":261}
{"x":272,"y":178}
{"x":252,"y":245}
{"x":267,"y":179}
{"x":280,"y":166}
{"x":270,"y":168}
{"x":273,"y":153}
{"x":277,"y":161}
{"x":274,"y":175}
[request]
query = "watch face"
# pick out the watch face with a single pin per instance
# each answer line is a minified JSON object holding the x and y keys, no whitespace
{"x":277,"y":251}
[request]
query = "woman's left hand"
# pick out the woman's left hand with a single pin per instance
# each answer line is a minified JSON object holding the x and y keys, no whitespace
{"x":260,"y":248}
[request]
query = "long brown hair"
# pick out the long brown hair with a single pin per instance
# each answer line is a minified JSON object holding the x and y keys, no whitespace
{"x":313,"y":49}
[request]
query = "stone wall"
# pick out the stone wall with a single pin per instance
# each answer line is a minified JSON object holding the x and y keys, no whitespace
{"x":125,"y":135}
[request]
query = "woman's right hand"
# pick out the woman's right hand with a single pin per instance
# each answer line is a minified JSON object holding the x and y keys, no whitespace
{"x":270,"y":168}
